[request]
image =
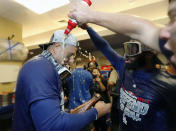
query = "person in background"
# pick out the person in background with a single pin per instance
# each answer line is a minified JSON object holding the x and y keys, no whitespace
{"x":100,"y":84}
{"x":85,"y":67}
{"x":92,"y":65}
{"x":112,"y":81}
{"x":100,"y":87}
{"x":39,"y":102}
{"x":79,"y":84}
{"x":114,"y":93}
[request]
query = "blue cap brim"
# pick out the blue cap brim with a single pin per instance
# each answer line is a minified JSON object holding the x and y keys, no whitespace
{"x":45,"y":46}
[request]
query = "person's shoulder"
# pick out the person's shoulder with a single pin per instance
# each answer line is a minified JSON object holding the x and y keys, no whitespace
{"x":37,"y":64}
{"x":165,"y":79}
{"x":37,"y":61}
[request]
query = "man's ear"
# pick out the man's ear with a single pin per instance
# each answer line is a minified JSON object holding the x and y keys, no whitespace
{"x":54,"y":47}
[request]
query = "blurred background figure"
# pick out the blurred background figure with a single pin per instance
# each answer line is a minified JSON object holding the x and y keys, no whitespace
{"x":92,"y":65}
{"x":79,"y":84}
{"x":100,"y":86}
{"x":114,"y":93}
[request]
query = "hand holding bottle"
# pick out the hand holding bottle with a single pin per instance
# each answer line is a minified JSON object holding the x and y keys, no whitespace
{"x":72,"y":23}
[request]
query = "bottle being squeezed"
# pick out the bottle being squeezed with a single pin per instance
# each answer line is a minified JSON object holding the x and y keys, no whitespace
{"x":73,"y":23}
{"x":86,"y":106}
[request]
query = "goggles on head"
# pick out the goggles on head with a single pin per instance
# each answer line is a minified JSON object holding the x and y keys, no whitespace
{"x":133,"y":48}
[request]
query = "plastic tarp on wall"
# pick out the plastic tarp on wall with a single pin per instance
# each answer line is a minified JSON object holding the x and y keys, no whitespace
{"x":12,"y":51}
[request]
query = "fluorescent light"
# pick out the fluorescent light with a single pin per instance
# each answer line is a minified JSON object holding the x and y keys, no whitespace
{"x":42,"y":6}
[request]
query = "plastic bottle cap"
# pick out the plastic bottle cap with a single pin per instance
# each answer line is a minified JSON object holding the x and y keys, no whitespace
{"x":72,"y":23}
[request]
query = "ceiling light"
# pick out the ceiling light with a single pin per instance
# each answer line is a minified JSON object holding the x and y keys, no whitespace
{"x":42,"y":6}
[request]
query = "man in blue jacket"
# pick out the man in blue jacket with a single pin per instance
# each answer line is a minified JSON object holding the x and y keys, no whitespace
{"x":39,"y":103}
{"x":79,"y":84}
{"x":143,"y":103}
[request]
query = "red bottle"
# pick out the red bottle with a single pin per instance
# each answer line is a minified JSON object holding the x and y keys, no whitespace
{"x":87,"y":105}
{"x":73,"y":23}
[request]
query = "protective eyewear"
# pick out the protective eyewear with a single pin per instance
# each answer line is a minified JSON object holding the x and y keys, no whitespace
{"x":132,"y":48}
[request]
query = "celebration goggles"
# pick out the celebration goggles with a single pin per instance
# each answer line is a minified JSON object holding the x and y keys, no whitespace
{"x":133,"y":48}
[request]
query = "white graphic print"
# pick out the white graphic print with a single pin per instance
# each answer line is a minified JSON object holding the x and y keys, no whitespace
{"x":132,"y":106}
{"x":62,"y":100}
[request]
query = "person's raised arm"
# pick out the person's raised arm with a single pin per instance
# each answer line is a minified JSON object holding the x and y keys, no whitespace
{"x":115,"y":59}
{"x":137,"y":28}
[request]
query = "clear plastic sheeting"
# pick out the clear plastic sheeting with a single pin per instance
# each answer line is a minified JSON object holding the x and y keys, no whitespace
{"x":12,"y":51}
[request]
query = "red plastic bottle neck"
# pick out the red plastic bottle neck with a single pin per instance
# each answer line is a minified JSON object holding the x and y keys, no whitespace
{"x":70,"y":26}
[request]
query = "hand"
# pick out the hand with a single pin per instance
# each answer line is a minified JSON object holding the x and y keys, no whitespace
{"x":98,"y":79}
{"x":81,"y":13}
{"x":102,"y":108}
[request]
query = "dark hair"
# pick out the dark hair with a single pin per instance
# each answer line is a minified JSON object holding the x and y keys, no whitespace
{"x":151,"y":56}
{"x":101,"y":76}
{"x":85,"y":67}
{"x":147,"y":57}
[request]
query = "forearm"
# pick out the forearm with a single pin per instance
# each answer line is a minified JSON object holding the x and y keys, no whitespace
{"x":98,"y":41}
{"x":47,"y":115}
{"x":132,"y":26}
{"x":120,"y":23}
{"x":76,"y":122}
{"x":104,"y":47}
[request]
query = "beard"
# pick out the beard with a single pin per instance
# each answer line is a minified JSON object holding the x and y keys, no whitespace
{"x":139,"y":61}
{"x":132,"y":65}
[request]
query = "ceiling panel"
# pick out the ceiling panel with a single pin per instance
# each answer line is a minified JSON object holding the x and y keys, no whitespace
{"x":38,"y":28}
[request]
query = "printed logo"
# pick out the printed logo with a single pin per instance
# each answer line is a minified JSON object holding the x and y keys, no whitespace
{"x":132,"y":106}
{"x":62,"y":100}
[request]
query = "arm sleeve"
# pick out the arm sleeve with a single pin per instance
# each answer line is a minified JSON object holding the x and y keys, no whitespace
{"x":116,"y":60}
{"x":46,"y":115}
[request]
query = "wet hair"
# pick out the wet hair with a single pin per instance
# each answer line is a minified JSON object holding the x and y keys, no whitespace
{"x":78,"y":61}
